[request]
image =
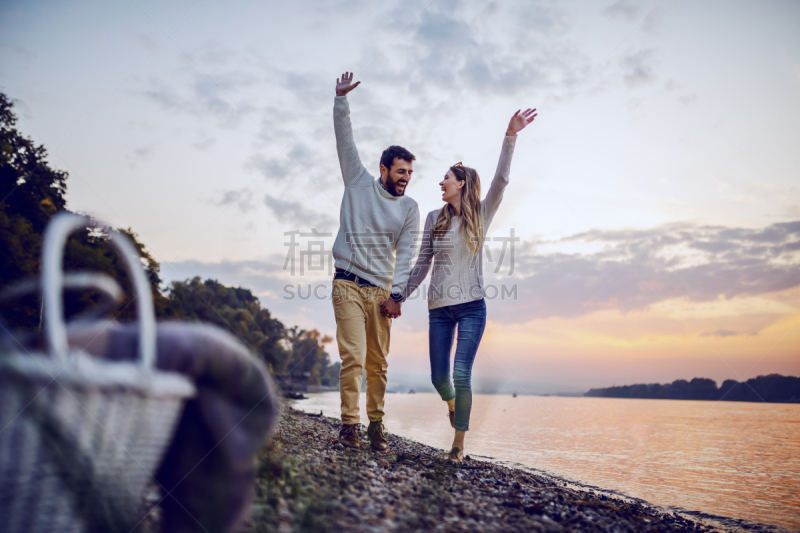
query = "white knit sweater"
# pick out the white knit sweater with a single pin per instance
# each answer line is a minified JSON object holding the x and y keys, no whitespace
{"x":376,"y":231}
{"x":457,"y":273}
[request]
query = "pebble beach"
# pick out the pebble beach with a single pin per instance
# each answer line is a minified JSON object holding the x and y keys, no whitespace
{"x":307,"y":481}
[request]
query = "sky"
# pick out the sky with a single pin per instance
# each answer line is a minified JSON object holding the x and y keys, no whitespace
{"x":655,"y":198}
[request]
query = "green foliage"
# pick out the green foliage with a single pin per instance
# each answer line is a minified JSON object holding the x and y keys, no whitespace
{"x":286,"y":351}
{"x":308,"y":356}
{"x":30,"y":193}
{"x":234,"y":309}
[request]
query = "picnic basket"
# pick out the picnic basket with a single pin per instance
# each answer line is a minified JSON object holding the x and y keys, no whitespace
{"x":82,"y":437}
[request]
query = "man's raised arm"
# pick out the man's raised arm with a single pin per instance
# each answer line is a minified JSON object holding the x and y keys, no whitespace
{"x":352,"y":168}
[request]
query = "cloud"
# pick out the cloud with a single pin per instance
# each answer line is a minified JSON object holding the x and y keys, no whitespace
{"x":722,"y":333}
{"x":447,"y":53}
{"x":311,"y":88}
{"x":258,"y":276}
{"x":639,"y":268}
{"x":632,"y":11}
{"x":297,"y":214}
{"x":638,"y":68}
{"x":538,"y":17}
{"x":19,"y":51}
{"x":214,"y":53}
{"x":500,"y":50}
{"x":297,"y":161}
{"x":203,"y":95}
{"x":627,"y":9}
{"x":204,"y":144}
{"x":301,"y":154}
{"x":141,"y":154}
{"x":226,"y":85}
{"x":269,"y":166}
{"x":243,"y":200}
{"x":634,"y":269}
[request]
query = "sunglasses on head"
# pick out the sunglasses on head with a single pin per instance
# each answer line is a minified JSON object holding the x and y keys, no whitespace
{"x":458,"y":165}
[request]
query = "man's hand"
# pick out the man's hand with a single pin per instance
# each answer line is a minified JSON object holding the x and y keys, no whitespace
{"x":345,"y":85}
{"x":519,"y":121}
{"x":390,"y":308}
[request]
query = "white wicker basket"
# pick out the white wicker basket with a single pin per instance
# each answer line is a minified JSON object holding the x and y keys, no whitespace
{"x":81,"y":438}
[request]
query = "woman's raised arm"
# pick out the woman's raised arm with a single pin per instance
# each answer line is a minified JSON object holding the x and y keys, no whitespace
{"x":494,"y":195}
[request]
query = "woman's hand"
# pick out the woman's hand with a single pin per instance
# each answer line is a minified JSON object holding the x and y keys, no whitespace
{"x":519,"y":121}
{"x":390,"y":308}
{"x":345,"y":85}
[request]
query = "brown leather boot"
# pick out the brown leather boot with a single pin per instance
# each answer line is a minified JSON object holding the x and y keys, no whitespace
{"x":376,"y":437}
{"x":348,"y":435}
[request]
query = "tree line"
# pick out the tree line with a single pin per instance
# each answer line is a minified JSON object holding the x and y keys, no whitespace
{"x":31,"y":193}
{"x":770,"y":388}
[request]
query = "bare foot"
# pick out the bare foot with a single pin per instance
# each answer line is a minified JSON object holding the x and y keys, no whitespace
{"x":456,"y":455}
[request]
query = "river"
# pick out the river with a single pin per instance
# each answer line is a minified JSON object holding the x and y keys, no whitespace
{"x":733,"y":459}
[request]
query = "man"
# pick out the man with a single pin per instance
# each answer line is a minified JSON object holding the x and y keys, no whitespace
{"x":372,"y":255}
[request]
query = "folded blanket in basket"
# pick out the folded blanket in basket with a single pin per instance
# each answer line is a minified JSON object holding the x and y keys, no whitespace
{"x":208,"y":473}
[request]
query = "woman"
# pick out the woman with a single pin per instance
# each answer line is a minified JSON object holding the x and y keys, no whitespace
{"x":453,"y":241}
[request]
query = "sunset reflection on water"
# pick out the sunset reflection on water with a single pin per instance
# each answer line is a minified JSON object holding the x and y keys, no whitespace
{"x":734,"y":459}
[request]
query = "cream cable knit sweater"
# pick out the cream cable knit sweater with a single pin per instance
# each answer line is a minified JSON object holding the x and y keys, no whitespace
{"x":457,"y":273}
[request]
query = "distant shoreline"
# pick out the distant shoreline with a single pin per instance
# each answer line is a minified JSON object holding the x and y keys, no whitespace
{"x":592,"y":393}
{"x":792,"y":402}
{"x":772,"y":388}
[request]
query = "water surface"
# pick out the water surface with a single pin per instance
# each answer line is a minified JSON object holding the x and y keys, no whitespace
{"x":735,"y":459}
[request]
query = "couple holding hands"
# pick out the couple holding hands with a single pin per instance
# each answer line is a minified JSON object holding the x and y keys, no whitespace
{"x":372,"y":253}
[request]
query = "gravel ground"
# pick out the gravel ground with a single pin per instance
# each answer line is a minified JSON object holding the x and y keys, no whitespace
{"x":308,"y":482}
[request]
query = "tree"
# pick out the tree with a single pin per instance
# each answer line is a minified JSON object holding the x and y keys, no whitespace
{"x":235,"y":309}
{"x":771,"y":388}
{"x":309,"y":356}
{"x":31,"y":193}
{"x":238,"y":310}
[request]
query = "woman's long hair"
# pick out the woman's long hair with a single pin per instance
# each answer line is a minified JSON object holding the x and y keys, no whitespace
{"x":471,"y":223}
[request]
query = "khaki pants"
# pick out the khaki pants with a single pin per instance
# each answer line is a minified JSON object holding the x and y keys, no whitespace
{"x":362,"y":333}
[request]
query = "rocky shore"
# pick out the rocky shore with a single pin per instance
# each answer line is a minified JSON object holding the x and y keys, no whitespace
{"x":308,"y":482}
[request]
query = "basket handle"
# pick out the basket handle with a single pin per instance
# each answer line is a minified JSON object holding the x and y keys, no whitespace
{"x":108,"y":288}
{"x":55,"y":238}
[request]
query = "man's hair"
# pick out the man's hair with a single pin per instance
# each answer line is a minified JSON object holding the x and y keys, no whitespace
{"x":395,"y":152}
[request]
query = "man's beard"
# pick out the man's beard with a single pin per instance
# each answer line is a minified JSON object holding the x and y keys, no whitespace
{"x":391,"y":188}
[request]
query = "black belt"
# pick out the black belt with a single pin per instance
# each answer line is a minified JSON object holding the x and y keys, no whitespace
{"x":349,"y":276}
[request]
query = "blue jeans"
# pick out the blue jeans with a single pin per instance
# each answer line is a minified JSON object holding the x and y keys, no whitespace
{"x":470,"y":318}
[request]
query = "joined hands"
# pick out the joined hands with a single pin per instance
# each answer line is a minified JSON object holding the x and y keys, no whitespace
{"x":390,"y":308}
